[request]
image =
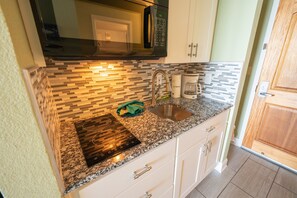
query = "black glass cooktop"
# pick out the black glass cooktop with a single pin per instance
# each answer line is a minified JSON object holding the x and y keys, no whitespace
{"x":103,"y":137}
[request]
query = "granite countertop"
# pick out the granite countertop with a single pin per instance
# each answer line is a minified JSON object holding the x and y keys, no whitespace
{"x":151,"y":130}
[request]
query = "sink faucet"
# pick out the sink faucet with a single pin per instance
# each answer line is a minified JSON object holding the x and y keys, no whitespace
{"x":158,"y":71}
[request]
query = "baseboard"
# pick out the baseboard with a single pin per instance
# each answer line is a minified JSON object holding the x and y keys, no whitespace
{"x":221,"y":166}
{"x":236,"y":142}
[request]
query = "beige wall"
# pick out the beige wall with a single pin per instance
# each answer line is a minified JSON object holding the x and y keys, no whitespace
{"x":25,"y":169}
{"x":233,"y":28}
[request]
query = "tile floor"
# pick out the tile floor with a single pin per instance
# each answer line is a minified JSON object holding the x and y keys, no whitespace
{"x":247,"y":176}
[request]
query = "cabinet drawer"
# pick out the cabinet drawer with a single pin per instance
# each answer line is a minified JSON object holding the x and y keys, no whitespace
{"x":131,"y":173}
{"x":190,"y":138}
{"x":155,"y":185}
{"x":215,"y":122}
{"x":194,"y":135}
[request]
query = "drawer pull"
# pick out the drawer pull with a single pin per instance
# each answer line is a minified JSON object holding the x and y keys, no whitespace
{"x":210,"y":129}
{"x":148,"y":195}
{"x":141,"y":172}
{"x":196,"y":51}
{"x":209,"y":146}
{"x":205,"y":148}
{"x":191,"y":47}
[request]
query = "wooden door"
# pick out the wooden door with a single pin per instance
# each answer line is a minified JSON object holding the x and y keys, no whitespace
{"x":272,"y":126}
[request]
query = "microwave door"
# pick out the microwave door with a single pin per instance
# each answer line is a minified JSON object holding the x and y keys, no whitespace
{"x":148,"y":29}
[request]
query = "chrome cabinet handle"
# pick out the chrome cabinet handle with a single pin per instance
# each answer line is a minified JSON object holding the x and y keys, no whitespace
{"x":210,"y":129}
{"x":196,"y":50}
{"x":265,"y":94}
{"x":148,"y":195}
{"x":205,"y":148}
{"x":209,"y":145}
{"x":191,"y":46}
{"x":137,"y":174}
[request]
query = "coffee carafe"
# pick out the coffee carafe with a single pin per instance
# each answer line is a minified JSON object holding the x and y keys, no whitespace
{"x":190,"y":86}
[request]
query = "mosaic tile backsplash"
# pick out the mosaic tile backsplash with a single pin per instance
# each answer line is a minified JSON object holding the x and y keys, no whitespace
{"x":43,"y":95}
{"x":83,"y":89}
{"x":67,"y":91}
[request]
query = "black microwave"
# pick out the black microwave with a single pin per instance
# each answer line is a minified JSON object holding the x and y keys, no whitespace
{"x":101,"y":29}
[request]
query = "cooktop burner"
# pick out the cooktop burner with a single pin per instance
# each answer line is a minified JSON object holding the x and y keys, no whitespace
{"x":103,"y":137}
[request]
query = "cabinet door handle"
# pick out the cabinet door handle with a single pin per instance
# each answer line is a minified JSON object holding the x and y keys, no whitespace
{"x":209,"y":146}
{"x":191,"y":51}
{"x":141,"y":172}
{"x":196,"y":50}
{"x":205,"y":148}
{"x":210,"y":129}
{"x":148,"y":195}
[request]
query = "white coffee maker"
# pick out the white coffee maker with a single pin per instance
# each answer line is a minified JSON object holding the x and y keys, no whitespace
{"x":190,"y":86}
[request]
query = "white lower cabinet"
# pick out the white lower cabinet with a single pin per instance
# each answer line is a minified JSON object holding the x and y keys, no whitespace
{"x":155,"y":185}
{"x":170,"y":170}
{"x":198,"y":153}
{"x":141,"y":172}
{"x":213,"y":145}
{"x":187,"y":169}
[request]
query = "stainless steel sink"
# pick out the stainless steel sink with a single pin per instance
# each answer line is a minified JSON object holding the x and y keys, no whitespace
{"x":171,"y":111}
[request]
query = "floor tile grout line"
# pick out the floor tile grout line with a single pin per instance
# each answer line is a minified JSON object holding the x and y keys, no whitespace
{"x":285,"y":188}
{"x":242,"y":189}
{"x":280,"y":184}
{"x":197,"y":191}
{"x":250,"y":156}
{"x":242,"y":164}
{"x":200,"y":192}
{"x":233,"y":177}
{"x":260,"y":156}
{"x":264,"y":167}
{"x":272,"y":183}
{"x":263,"y":164}
{"x":276,"y":174}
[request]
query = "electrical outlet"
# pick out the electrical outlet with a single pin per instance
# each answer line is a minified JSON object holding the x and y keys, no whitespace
{"x":159,"y":79}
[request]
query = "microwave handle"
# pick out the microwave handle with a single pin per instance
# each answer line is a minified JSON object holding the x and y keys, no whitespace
{"x":148,"y":27}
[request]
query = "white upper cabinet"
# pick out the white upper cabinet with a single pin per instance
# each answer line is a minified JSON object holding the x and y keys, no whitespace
{"x":190,"y":30}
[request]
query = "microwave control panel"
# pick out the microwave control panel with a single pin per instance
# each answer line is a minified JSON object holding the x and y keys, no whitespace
{"x":160,"y":35}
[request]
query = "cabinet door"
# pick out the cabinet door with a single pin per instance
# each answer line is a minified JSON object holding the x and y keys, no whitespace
{"x":203,"y":29}
{"x":214,"y":144}
{"x":187,"y":170}
{"x":178,"y":25}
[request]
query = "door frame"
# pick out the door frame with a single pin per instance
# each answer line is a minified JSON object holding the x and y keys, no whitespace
{"x":242,"y":131}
